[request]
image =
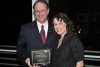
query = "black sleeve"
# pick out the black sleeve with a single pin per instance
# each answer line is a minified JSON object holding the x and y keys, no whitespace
{"x":77,"y":49}
{"x":21,"y":46}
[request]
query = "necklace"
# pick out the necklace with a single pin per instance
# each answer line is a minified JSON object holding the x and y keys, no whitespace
{"x":60,"y":40}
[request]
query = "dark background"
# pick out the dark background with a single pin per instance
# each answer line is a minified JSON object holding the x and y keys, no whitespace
{"x":14,"y":13}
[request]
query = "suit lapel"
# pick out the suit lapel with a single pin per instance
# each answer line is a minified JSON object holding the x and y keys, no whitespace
{"x":49,"y":33}
{"x":35,"y":30}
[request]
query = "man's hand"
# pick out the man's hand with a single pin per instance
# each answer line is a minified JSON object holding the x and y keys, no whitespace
{"x":35,"y":65}
{"x":28,"y":62}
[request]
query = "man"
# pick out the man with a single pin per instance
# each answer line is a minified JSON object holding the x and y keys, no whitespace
{"x":30,"y":38}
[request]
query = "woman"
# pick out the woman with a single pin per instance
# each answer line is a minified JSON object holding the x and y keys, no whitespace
{"x":69,"y":51}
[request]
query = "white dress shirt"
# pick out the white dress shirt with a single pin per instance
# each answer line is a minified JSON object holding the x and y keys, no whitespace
{"x":45,"y":27}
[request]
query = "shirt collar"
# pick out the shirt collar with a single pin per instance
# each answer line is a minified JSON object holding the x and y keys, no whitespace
{"x":42,"y":24}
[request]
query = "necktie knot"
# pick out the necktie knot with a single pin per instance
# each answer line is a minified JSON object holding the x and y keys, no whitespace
{"x":42,"y":26}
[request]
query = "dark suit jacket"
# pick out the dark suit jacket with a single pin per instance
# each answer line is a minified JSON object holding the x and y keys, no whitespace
{"x":30,"y":39}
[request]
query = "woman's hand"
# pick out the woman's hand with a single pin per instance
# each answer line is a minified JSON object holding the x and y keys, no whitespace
{"x":80,"y":64}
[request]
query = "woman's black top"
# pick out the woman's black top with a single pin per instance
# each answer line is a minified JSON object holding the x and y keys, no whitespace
{"x":69,"y":53}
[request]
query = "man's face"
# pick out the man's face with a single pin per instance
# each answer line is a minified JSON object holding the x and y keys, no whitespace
{"x":41,"y":12}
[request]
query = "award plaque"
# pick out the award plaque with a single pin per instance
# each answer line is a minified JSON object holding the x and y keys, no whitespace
{"x":40,"y":56}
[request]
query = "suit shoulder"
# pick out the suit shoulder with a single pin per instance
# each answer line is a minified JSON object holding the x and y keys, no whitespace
{"x":28,"y":24}
{"x":50,"y":22}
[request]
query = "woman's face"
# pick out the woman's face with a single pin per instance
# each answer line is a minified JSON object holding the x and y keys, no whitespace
{"x":60,"y":27}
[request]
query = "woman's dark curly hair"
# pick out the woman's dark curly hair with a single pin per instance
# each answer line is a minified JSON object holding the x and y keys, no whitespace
{"x":63,"y":17}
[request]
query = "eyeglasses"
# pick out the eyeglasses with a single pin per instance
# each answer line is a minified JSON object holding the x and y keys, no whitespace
{"x":42,"y":11}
